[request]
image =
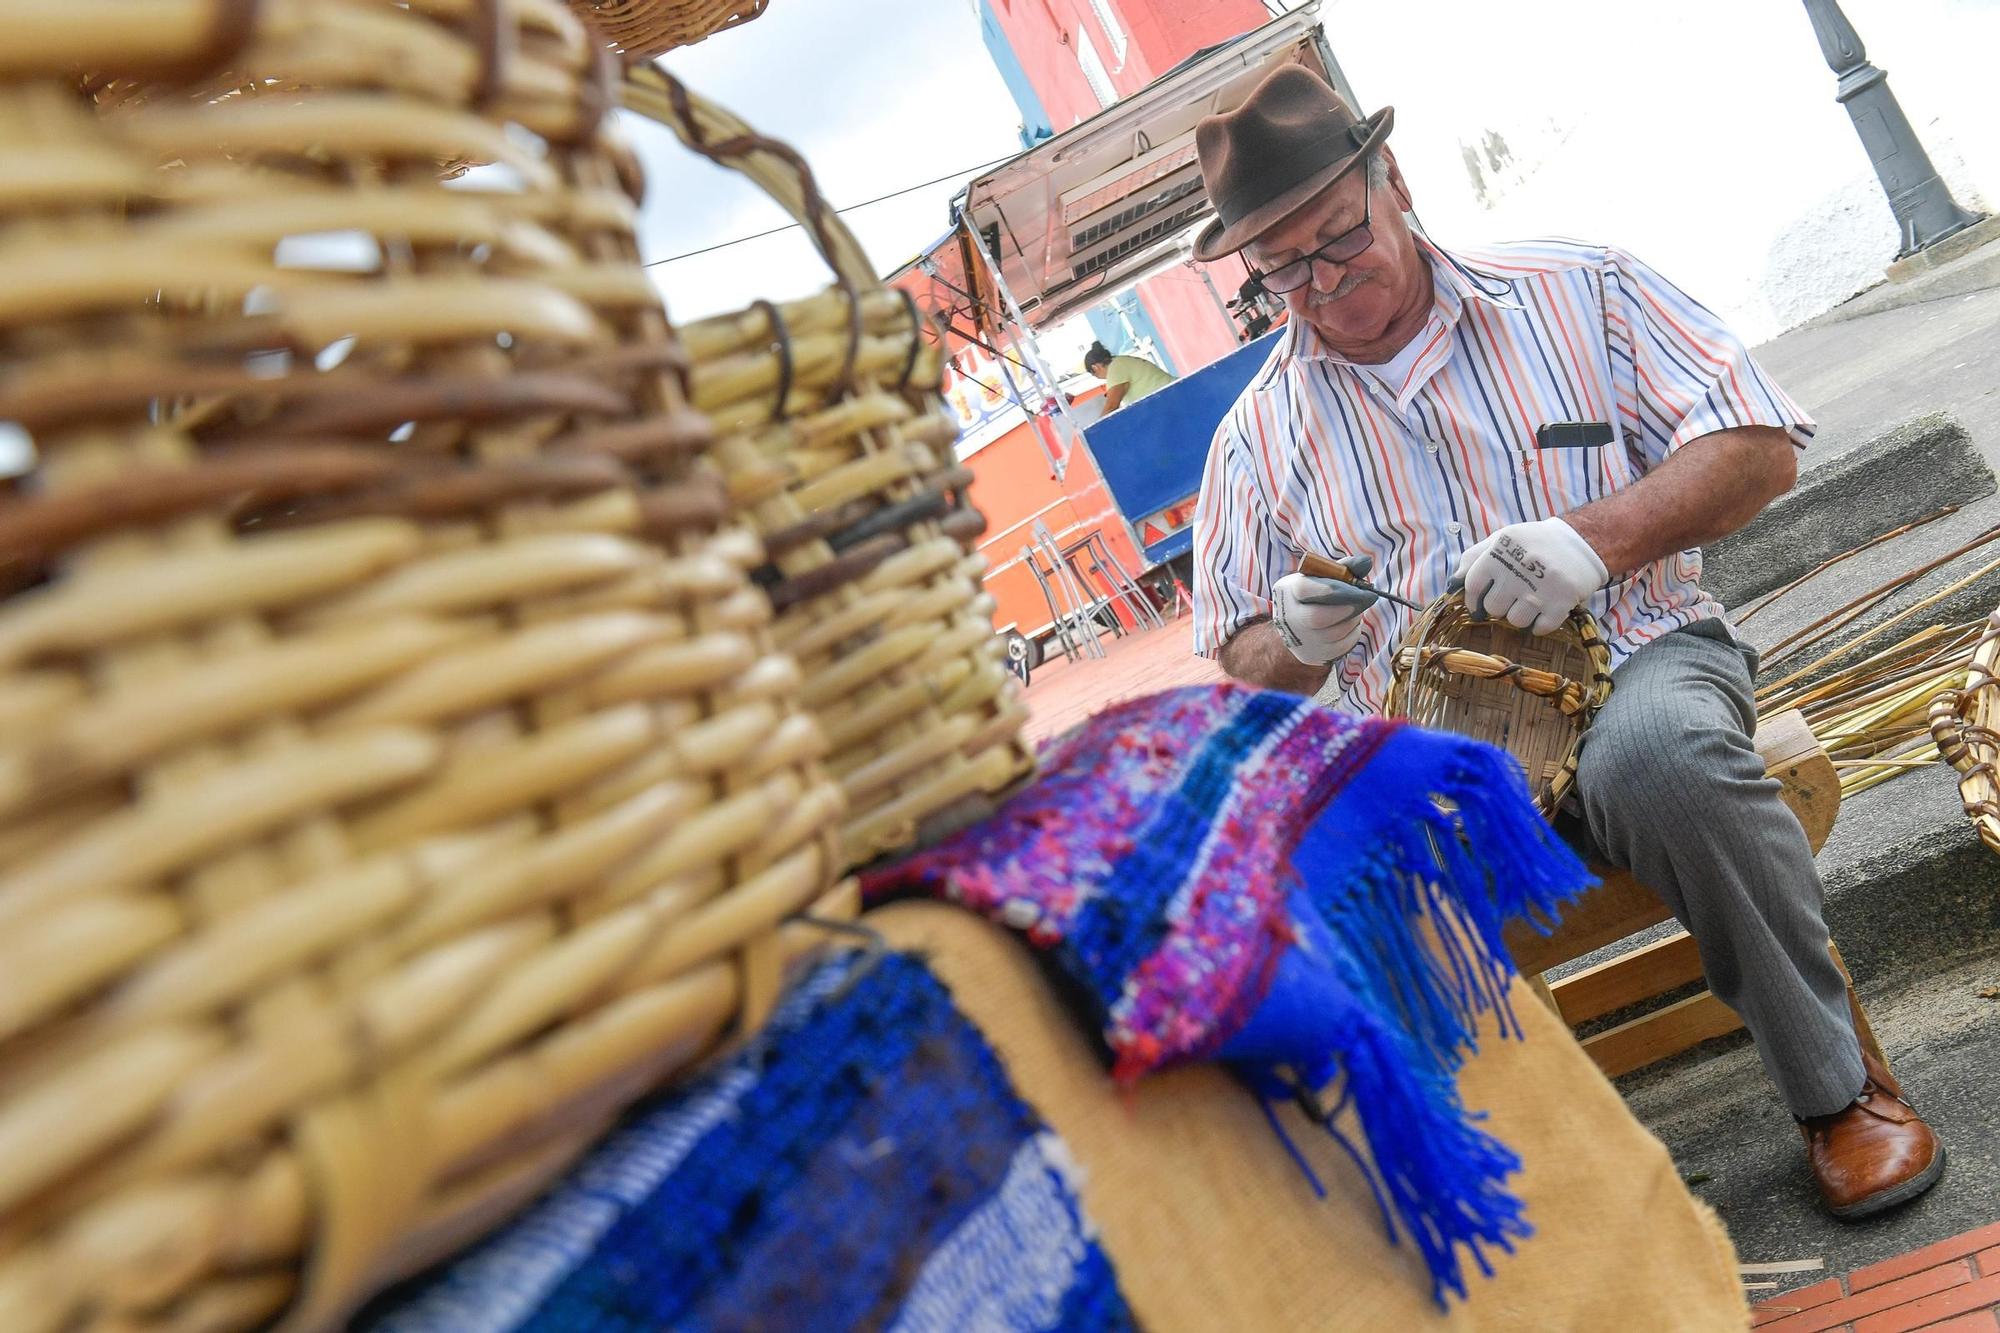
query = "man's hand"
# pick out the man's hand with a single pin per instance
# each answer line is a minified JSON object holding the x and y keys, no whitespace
{"x":1319,"y":619}
{"x":1256,"y":655}
{"x":1532,"y":575}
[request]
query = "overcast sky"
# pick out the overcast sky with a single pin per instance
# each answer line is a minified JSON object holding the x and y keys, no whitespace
{"x":877,"y":94}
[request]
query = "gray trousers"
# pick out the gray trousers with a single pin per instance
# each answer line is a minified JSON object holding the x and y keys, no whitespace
{"x":1671,"y":788}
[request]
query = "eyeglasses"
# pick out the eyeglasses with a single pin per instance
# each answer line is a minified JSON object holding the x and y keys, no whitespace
{"x":1349,"y":244}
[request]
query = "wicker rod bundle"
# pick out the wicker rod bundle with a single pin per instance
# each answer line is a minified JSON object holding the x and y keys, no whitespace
{"x":1881,"y":714}
{"x":837,"y":446}
{"x":1872,"y":715}
{"x":1533,"y":696}
{"x":1965,"y":724}
{"x":396,"y":773}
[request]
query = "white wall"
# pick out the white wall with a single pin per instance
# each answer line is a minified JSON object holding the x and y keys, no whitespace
{"x":1702,"y":134}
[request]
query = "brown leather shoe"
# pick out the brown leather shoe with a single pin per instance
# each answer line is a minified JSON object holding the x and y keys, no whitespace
{"x":1876,"y":1154}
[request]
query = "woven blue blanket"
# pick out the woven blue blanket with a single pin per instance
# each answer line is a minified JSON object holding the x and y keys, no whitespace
{"x":1313,"y":899}
{"x":863,"y":1164}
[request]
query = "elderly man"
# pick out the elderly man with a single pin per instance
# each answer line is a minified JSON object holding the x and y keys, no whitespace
{"x":1554,"y":425}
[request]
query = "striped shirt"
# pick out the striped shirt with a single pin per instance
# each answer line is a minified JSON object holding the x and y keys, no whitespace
{"x":1320,"y":456}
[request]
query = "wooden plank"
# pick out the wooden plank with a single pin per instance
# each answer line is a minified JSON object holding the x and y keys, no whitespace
{"x":1540,"y":986}
{"x":1606,"y":915}
{"x":1863,"y":1029}
{"x":1639,"y":975}
{"x":1642,"y":1041}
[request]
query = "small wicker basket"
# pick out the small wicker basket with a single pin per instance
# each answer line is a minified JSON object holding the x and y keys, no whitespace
{"x":837,"y":445}
{"x":397,"y":775}
{"x":1965,"y":723}
{"x":1532,"y":695}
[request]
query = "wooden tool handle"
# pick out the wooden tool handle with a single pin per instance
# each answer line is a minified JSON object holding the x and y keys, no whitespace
{"x":1319,"y":567}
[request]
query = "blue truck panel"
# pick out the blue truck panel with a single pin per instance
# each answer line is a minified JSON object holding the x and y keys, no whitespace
{"x":1151,"y":453}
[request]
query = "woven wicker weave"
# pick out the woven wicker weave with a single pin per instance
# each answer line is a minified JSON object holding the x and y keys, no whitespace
{"x":1965,"y":723}
{"x":1531,"y":695}
{"x":838,"y":446}
{"x":645,"y":28}
{"x":396,"y":773}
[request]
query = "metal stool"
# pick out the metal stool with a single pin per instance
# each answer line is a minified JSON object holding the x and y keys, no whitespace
{"x":1094,"y":606}
{"x":1092,"y":609}
{"x":1074,"y":634}
{"x":1122,"y":588}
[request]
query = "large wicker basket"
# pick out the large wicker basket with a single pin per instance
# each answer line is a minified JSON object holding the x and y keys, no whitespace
{"x":396,"y":773}
{"x":1965,"y":723}
{"x":838,"y":446}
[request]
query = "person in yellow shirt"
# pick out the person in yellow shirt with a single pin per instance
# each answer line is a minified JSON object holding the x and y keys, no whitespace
{"x":1128,"y":378}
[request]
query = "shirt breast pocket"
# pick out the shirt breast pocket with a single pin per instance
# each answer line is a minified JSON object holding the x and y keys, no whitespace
{"x":1571,"y":473}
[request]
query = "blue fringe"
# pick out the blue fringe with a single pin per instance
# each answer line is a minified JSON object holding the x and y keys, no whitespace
{"x":1433,"y":829}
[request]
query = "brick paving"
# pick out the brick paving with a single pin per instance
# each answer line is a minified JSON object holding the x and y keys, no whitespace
{"x":1952,"y":1285}
{"x":1062,"y":693}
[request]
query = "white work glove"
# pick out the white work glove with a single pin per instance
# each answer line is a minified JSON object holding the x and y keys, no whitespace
{"x":1319,"y":619}
{"x":1531,"y":575}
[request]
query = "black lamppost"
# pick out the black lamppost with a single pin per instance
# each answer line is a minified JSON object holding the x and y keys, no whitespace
{"x":1925,"y":211}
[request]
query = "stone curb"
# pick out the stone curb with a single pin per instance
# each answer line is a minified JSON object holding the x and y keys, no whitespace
{"x":1912,"y":471}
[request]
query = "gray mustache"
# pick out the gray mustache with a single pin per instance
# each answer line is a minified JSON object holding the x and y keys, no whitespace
{"x":1348,"y":282}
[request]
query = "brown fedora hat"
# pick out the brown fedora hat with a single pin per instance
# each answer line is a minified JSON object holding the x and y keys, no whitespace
{"x":1291,"y":138}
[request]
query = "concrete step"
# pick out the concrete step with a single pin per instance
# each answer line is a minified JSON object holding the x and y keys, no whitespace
{"x":1909,"y":886}
{"x":1905,"y":474}
{"x":1907,"y":879}
{"x":1908,"y":883}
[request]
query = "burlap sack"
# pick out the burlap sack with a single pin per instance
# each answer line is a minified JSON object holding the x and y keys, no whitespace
{"x":1212,"y":1226}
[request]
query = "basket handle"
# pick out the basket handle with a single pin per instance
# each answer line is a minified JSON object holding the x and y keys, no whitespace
{"x":1948,"y":727}
{"x":775,"y":167}
{"x":1950,"y":714}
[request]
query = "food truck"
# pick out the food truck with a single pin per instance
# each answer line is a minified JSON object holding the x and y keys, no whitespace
{"x":1039,"y":240}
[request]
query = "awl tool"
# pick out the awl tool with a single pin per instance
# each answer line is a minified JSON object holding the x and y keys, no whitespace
{"x":1319,"y":567}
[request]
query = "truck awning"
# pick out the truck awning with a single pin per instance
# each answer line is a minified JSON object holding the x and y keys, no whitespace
{"x":1079,"y":216}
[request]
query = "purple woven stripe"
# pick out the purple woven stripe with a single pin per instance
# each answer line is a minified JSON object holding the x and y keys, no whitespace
{"x":1230,"y":923}
{"x":1211,"y":937}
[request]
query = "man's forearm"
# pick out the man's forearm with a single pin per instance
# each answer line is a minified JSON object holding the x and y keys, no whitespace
{"x":1701,"y":494}
{"x":1256,"y":655}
